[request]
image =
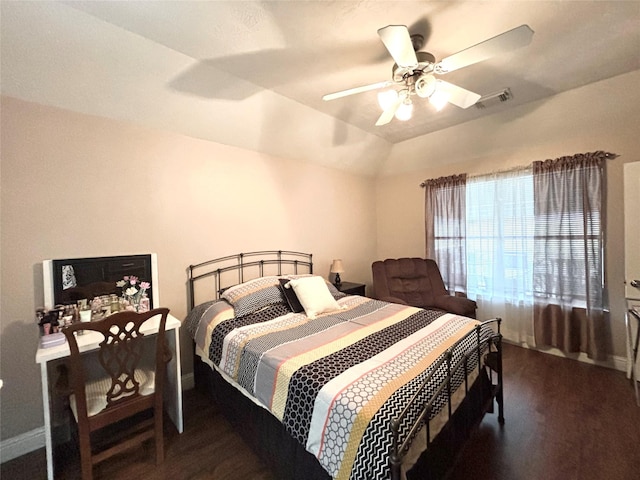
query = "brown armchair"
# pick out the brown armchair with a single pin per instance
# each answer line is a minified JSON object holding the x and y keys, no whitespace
{"x":417,"y":282}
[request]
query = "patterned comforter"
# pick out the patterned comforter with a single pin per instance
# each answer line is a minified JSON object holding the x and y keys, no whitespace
{"x":336,"y":381}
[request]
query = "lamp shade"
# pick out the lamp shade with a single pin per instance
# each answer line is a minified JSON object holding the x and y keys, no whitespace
{"x":386,"y":98}
{"x":337,"y":267}
{"x":439,"y":99}
{"x":405,"y":110}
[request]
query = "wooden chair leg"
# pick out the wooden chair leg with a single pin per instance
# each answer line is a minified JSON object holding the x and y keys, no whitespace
{"x":159,"y":437}
{"x":86,"y":462}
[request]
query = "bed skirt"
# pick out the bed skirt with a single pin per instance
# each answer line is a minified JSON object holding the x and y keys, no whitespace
{"x":289,"y":460}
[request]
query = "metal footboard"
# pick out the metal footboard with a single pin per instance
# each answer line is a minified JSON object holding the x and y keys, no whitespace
{"x":487,"y":346}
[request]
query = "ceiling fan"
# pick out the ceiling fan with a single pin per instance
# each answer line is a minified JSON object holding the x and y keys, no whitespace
{"x":414,"y":72}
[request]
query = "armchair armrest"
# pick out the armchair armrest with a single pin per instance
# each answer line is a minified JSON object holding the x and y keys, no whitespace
{"x":458,"y":305}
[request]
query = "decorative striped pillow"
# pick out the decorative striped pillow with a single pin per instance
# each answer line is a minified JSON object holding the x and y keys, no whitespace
{"x":254,"y":295}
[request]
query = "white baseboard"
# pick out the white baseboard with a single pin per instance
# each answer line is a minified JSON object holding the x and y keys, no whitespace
{"x":21,"y":444}
{"x":620,"y":363}
{"x":614,"y":361}
{"x":27,"y":442}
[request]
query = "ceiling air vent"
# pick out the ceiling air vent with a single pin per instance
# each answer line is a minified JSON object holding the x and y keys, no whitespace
{"x":494,"y":98}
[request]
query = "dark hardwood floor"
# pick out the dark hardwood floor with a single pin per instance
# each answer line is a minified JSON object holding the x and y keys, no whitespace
{"x":564,"y":420}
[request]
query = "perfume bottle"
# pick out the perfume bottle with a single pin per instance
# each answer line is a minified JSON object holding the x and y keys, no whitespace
{"x":145,"y":304}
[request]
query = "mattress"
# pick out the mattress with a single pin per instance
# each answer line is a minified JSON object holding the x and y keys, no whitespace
{"x":337,"y":381}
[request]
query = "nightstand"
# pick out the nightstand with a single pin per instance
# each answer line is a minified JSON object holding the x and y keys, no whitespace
{"x":351,"y":288}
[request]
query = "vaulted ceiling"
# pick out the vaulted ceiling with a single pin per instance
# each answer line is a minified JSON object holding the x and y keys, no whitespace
{"x":252,"y":74}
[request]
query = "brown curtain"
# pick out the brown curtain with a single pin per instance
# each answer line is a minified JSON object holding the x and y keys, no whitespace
{"x":445,"y":225}
{"x":570,"y":311}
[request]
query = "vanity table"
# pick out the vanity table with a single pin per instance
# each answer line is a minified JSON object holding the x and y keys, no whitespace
{"x":89,"y":342}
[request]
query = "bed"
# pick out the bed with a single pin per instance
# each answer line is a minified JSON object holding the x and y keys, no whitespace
{"x":325,"y":385}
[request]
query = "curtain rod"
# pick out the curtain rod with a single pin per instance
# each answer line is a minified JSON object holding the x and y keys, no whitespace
{"x":506,"y":170}
{"x":607,"y":155}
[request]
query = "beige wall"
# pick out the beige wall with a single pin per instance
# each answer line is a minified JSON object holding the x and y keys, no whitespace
{"x":601,"y":116}
{"x":75,"y":185}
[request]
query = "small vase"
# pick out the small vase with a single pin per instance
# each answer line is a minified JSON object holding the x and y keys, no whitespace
{"x":144,"y":305}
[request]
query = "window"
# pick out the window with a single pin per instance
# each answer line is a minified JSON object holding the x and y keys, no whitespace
{"x":499,"y":244}
{"x":528,"y":244}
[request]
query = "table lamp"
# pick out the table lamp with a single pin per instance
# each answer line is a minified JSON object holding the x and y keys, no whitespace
{"x":337,"y":268}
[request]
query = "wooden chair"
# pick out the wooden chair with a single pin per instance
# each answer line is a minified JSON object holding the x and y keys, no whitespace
{"x":131,"y":378}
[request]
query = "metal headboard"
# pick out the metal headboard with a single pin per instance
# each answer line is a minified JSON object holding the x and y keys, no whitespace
{"x":224,"y":272}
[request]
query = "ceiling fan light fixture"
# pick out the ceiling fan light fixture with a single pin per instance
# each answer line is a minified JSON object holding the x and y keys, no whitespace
{"x":425,"y":85}
{"x":405,"y":110}
{"x":386,"y":98}
{"x":414,"y":72}
{"x":439,"y":99}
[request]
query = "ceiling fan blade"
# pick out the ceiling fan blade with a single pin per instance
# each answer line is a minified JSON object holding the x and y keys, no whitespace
{"x":503,"y":43}
{"x":353,"y":91}
{"x":458,"y":96}
{"x":398,"y":41}
{"x":389,"y":112}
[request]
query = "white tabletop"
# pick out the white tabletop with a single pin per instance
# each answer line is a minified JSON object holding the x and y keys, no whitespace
{"x":91,"y":340}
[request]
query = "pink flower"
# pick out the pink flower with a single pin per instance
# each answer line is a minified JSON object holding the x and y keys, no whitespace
{"x":132,"y":288}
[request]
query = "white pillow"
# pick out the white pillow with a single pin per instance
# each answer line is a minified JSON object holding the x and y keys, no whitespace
{"x":314,"y":295}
